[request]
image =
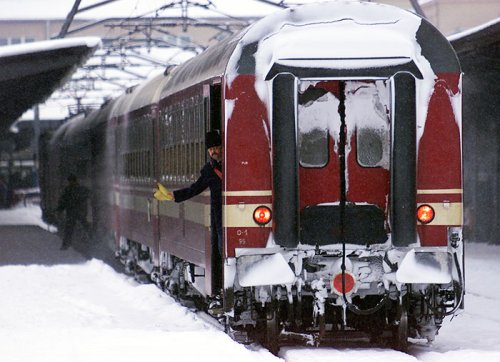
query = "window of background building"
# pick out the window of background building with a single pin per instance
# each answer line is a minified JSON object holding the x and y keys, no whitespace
{"x":16,"y":40}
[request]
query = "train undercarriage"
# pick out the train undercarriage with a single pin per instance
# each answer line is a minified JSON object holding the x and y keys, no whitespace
{"x":320,"y":307}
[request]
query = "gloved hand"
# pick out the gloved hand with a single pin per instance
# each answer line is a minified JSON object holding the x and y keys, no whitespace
{"x":163,"y":194}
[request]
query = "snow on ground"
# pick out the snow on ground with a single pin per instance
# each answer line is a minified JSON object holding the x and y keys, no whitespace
{"x":59,"y":306}
{"x":23,"y":215}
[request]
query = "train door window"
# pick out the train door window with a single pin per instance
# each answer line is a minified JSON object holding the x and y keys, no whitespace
{"x":367,"y":107}
{"x":215,"y":107}
{"x":316,"y":108}
{"x":211,"y":113}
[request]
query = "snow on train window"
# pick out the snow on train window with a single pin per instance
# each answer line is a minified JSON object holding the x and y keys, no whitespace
{"x":367,"y":110}
{"x":370,"y":146}
{"x":316,"y":107}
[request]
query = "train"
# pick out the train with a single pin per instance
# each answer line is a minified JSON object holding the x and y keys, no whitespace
{"x":342,"y":190}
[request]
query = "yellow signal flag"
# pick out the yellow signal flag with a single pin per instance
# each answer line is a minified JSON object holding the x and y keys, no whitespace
{"x":163,"y":194}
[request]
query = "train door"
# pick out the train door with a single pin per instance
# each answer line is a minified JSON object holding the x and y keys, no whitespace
{"x":342,"y":164}
{"x":343,"y":136}
{"x":213,"y":262}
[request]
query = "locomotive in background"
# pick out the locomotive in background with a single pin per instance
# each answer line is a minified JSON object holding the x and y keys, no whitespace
{"x":342,"y":179}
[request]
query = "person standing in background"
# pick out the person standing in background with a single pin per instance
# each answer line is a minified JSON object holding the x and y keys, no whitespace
{"x":73,"y":202}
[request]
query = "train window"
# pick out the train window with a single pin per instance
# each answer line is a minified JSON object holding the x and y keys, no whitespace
{"x":200,"y":134}
{"x":367,"y":107}
{"x":142,"y":164}
{"x":313,"y":146}
{"x":175,"y":141}
{"x":185,"y":150}
{"x":134,"y":164}
{"x":168,"y":160}
{"x":179,"y":154}
{"x":370,"y":146}
{"x":182,"y":133}
{"x":148,"y":164}
{"x":316,"y":107}
{"x":189,"y":149}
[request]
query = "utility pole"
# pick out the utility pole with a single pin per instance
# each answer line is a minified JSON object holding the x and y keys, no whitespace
{"x":418,"y":8}
{"x":69,"y":19}
{"x":36,"y":137}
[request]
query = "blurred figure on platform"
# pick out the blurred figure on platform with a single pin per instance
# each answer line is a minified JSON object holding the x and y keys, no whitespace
{"x":73,"y":202}
{"x":3,"y":194}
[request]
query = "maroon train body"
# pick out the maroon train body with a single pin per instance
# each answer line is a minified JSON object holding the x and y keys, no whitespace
{"x":342,"y":180}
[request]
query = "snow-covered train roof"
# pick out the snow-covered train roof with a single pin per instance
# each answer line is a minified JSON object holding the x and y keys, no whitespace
{"x":79,"y":128}
{"x":335,"y":35}
{"x":139,"y":96}
{"x":351,"y":35}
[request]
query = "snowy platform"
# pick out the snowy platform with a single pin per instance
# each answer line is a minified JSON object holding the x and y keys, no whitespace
{"x":28,"y":244}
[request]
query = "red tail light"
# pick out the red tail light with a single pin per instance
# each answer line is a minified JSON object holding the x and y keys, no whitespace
{"x":425,"y":214}
{"x":262,"y":215}
{"x":349,"y":283}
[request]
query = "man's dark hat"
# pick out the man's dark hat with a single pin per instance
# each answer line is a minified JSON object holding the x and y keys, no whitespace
{"x":212,"y":139}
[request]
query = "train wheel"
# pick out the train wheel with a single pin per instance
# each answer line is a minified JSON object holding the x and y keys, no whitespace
{"x":322,"y":328}
{"x":130,"y":266}
{"x":272,"y":328}
{"x":401,"y":331}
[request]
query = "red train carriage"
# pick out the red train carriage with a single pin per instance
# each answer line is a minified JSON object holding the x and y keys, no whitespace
{"x":342,"y":188}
